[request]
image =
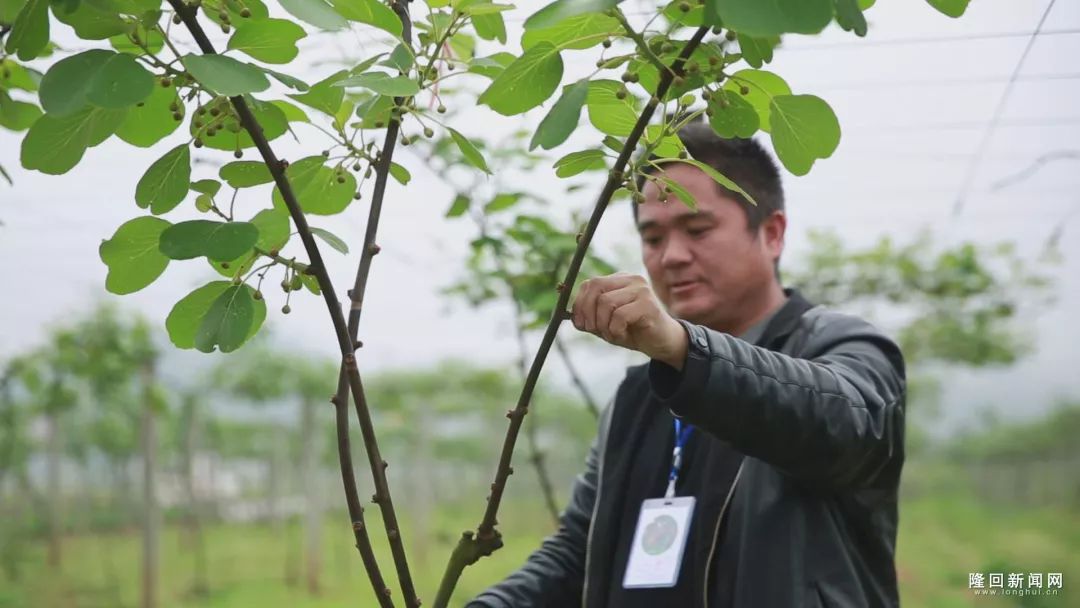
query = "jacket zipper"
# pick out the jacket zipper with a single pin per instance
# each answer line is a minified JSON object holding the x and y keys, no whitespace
{"x":716,"y":533}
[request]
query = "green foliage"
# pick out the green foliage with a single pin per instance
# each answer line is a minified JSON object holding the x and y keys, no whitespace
{"x":191,"y":326}
{"x":320,"y":190}
{"x":563,"y":117}
{"x":527,"y":82}
{"x":165,"y":183}
{"x":221,"y":241}
{"x":132,"y":255}
{"x":268,"y":40}
{"x":804,"y":129}
{"x":773,"y":17}
{"x":225,"y":75}
{"x":962,"y":303}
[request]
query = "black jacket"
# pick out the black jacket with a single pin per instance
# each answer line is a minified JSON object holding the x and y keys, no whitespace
{"x":816,"y":413}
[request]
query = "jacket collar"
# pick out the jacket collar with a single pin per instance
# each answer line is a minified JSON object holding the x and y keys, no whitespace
{"x":785,"y":320}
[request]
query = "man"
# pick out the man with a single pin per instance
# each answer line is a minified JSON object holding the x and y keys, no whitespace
{"x":790,"y":422}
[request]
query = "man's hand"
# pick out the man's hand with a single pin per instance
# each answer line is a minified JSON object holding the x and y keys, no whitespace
{"x":623,"y":310}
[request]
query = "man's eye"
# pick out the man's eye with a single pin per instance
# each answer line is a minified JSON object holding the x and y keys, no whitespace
{"x":696,"y":231}
{"x":652,"y":241}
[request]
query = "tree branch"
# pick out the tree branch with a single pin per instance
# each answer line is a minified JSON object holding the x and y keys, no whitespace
{"x":356,"y":294}
{"x":487,"y":539}
{"x":564,"y":354}
{"x":189,"y":17}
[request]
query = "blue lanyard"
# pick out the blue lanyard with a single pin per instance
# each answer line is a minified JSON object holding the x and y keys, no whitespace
{"x":681,"y":435}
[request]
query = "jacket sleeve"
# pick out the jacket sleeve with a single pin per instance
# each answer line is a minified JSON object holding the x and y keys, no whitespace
{"x":834,"y":418}
{"x":554,"y":574}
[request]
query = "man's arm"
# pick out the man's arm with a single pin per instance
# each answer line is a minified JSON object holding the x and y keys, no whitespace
{"x":836,"y":418}
{"x":555,"y":573}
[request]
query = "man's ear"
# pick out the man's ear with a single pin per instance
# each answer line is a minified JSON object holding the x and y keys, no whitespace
{"x":772,"y":232}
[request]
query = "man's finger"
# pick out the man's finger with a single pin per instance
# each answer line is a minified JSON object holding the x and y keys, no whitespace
{"x":608,"y":302}
{"x":626,"y":316}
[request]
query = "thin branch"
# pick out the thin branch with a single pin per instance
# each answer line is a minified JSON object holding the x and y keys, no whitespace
{"x":471,"y":547}
{"x":564,"y":354}
{"x":1034,"y":167}
{"x":382,"y":495}
{"x":277,"y":170}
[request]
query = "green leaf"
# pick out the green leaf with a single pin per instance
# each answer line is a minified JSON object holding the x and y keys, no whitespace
{"x":371,"y":12}
{"x":225,"y":75}
{"x":132,"y":255}
{"x":227,"y":323}
{"x":207,"y":186}
{"x":732,"y":116}
{"x":526,"y":82}
{"x":849,"y":16}
{"x":166,"y":182}
{"x":30,"y":33}
{"x":323,"y":95}
{"x":951,"y":8}
{"x":772,"y":17}
{"x":459,"y":206}
{"x":682,"y":193}
{"x":609,"y":114}
{"x":469,"y":151}
{"x":291,"y":112}
{"x":15,"y":76}
{"x":401,"y":59}
{"x":490,"y":27}
{"x":290,"y":81}
{"x":233,"y":137}
{"x":152,"y":121}
{"x":695,"y":17}
{"x":65,"y":86}
{"x":187,"y":315}
{"x":274,"y":228}
{"x":316,"y":187}
{"x":120,"y":83}
{"x":9,"y":10}
{"x":17,"y":115}
{"x":563,"y":118}
{"x":89,"y":22}
{"x":804,"y":129}
{"x":400,"y":174}
{"x":670,"y":145}
{"x":718,"y":177}
{"x":222,"y":241}
{"x":559,"y":10}
{"x":245,"y":173}
{"x":503,"y":201}
{"x":233,"y":8}
{"x":578,"y":32}
{"x":315,"y":12}
{"x":331,"y":239}
{"x":268,"y":40}
{"x":758,"y":51}
{"x":151,"y":38}
{"x":578,"y":162}
{"x":492,"y":65}
{"x":761,"y":87}
{"x":382,"y":83}
{"x":54,"y":145}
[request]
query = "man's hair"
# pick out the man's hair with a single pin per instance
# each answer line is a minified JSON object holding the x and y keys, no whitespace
{"x":744,"y":161}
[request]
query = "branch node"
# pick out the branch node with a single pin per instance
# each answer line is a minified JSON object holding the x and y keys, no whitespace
{"x":375,"y":498}
{"x":374,"y":249}
{"x":358,"y":345}
{"x":357,"y":526}
{"x":392,"y":534}
{"x":350,"y":361}
{"x":560,"y":287}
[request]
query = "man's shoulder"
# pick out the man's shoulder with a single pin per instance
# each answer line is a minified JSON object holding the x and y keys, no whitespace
{"x":823,"y":328}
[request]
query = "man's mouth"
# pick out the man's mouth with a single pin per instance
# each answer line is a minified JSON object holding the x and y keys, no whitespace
{"x":683,"y":287}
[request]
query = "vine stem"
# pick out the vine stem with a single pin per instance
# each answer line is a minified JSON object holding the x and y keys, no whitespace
{"x":486,"y":540}
{"x":363,"y":413}
{"x":277,"y":169}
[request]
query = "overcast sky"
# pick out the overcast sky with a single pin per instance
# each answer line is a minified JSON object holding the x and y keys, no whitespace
{"x":913,"y":101}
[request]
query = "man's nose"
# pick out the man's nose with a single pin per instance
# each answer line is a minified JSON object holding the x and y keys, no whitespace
{"x":676,"y":252}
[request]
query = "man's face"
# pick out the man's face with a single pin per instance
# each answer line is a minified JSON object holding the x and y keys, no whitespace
{"x":706,"y":266}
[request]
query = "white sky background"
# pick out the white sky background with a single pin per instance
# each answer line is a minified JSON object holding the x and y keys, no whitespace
{"x":912,"y":111}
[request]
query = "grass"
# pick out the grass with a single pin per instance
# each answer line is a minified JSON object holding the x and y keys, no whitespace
{"x":943,"y":537}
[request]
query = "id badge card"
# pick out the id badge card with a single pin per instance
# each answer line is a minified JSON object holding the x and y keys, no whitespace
{"x":659,"y":542}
